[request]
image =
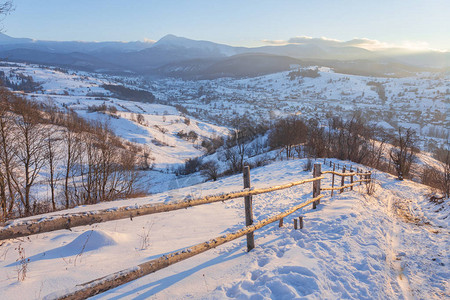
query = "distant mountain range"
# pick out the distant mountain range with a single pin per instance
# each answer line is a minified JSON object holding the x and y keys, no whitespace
{"x":186,"y":58}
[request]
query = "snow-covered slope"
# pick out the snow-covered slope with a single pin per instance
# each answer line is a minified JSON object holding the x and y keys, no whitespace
{"x":392,"y":244}
{"x":420,"y":101}
{"x":156,"y":126}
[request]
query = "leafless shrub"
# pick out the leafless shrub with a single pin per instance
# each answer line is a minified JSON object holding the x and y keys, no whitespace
{"x":403,"y":155}
{"x":308,"y":165}
{"x":145,"y":236}
{"x":82,"y":248}
{"x":435,"y":199}
{"x":439,"y":180}
{"x":22,"y":267}
{"x":371,"y":186}
{"x":161,"y":129}
{"x":261,"y":161}
{"x":140,"y":119}
{"x":210,"y":169}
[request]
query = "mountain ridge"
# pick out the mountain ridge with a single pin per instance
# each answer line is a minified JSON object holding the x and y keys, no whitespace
{"x":174,"y":52}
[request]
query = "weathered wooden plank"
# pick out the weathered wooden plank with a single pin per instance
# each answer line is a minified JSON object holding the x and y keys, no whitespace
{"x":332,"y":179}
{"x":248,"y":209}
{"x":345,"y":186}
{"x":67,"y":221}
{"x":97,"y":286}
{"x":316,"y":184}
{"x":345,"y":174}
{"x":351,"y":179}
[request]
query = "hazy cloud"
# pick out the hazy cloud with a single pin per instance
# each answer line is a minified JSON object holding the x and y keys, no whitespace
{"x":150,"y":41}
{"x":365,"y":43}
{"x":275,"y":42}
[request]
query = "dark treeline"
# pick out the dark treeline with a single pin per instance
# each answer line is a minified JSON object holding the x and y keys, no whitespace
{"x":361,"y":143}
{"x":122,"y":92}
{"x":76,"y":161}
{"x":22,"y":83}
{"x":346,"y":140}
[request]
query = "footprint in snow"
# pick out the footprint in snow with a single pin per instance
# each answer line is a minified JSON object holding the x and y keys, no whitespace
{"x":263,"y":261}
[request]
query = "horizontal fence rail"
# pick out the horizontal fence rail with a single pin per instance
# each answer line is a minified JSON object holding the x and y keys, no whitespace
{"x":345,"y":186}
{"x":103,"y":284}
{"x":88,"y":218}
{"x":346,"y":174}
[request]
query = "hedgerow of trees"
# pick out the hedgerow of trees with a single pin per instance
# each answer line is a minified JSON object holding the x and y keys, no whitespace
{"x":122,"y":92}
{"x":79,"y":162}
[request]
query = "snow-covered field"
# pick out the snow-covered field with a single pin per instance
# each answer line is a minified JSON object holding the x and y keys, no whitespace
{"x":159,"y":126}
{"x":391,"y":245}
{"x":421,"y":101}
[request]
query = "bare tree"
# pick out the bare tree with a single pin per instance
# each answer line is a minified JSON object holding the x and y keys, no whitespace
{"x":71,"y":144}
{"x":6,"y":7}
{"x":30,"y":150}
{"x":288,"y":133}
{"x":403,"y":154}
{"x":127,"y":178}
{"x":233,"y":159}
{"x":445,"y":178}
{"x":316,"y":139}
{"x":441,"y":178}
{"x":53,"y":143}
{"x":6,"y":156}
{"x":89,"y":164}
{"x":211,"y":170}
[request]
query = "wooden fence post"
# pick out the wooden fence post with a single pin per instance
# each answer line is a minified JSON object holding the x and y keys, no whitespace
{"x":342,"y":180}
{"x":316,"y":184}
{"x":332,"y":180}
{"x":360,"y":177}
{"x":295,"y":224}
{"x":351,"y":178}
{"x":300,"y":220}
{"x":248,"y":209}
{"x":280,"y":224}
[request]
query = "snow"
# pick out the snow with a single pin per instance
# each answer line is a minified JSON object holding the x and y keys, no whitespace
{"x":418,"y":101}
{"x":393,"y":244}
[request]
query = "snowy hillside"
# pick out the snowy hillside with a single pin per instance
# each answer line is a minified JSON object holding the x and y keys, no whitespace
{"x":392,"y":244}
{"x":420,"y":101}
{"x":160,"y":127}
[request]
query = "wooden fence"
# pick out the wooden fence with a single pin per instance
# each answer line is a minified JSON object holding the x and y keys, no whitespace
{"x":103,"y":284}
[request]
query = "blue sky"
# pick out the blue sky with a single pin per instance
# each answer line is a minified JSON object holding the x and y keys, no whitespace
{"x":244,"y":22}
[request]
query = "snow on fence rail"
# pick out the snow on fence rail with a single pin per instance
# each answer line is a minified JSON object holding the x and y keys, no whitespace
{"x":68,"y":221}
{"x":88,"y":218}
{"x":97,"y":286}
{"x":94,"y":287}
